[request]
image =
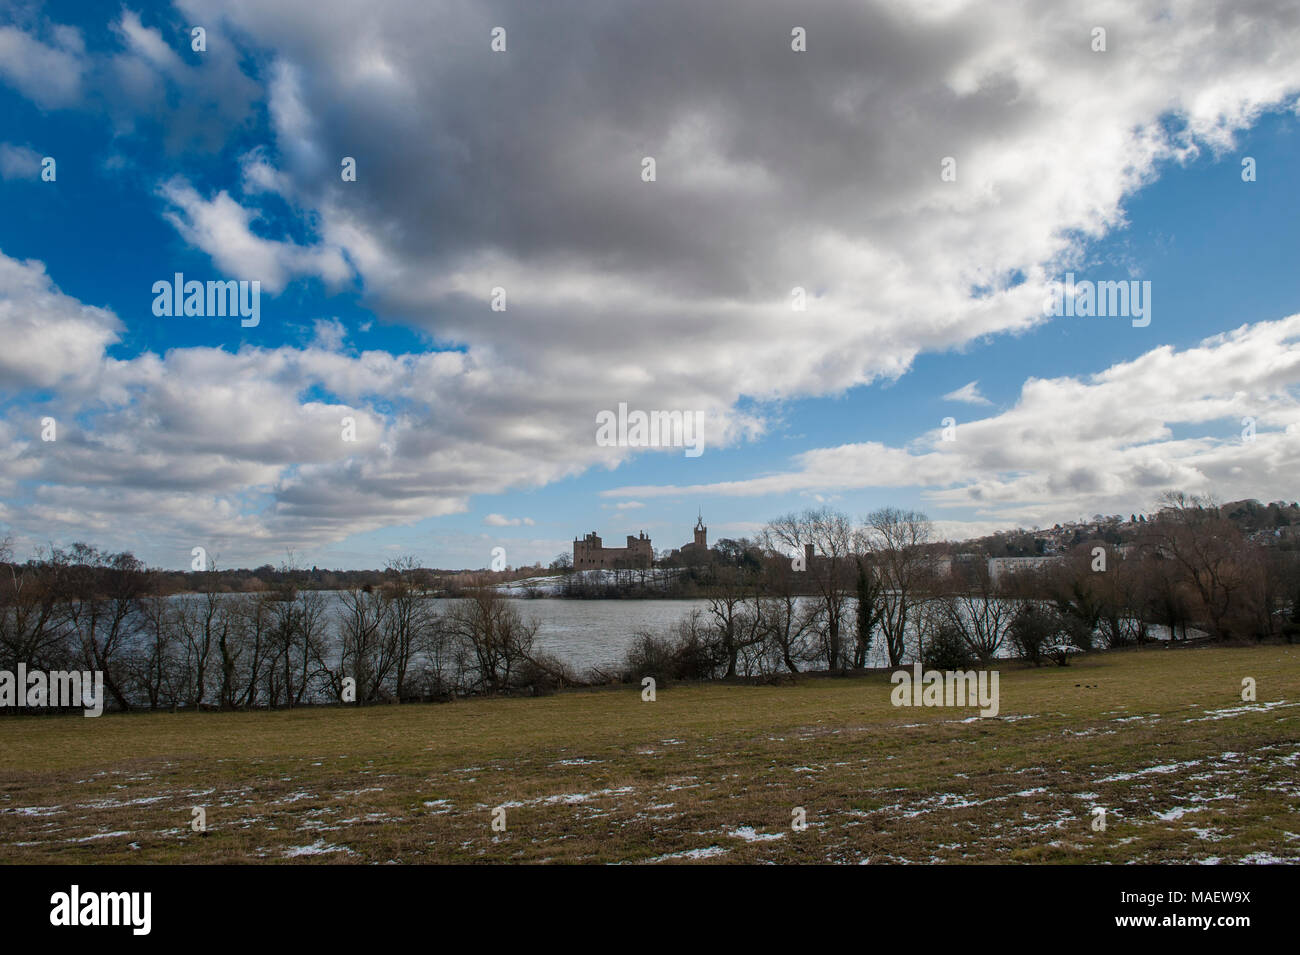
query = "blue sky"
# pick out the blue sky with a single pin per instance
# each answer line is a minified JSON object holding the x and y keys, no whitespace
{"x":223,"y":164}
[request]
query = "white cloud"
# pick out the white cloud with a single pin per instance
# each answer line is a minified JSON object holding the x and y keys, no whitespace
{"x":221,"y":227}
{"x":329,"y":334}
{"x":19,"y":162}
{"x":687,"y":295}
{"x":500,"y":520}
{"x":949,"y":530}
{"x":1100,"y":444}
{"x":49,"y":338}
{"x":48,"y":75}
{"x":148,"y":44}
{"x":234,"y":452}
{"x":968,"y":393}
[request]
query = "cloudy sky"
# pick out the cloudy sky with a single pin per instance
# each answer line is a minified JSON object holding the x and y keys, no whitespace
{"x":922,"y":171}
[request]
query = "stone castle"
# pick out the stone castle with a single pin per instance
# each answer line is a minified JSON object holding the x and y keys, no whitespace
{"x":700,"y":546}
{"x":590,"y":554}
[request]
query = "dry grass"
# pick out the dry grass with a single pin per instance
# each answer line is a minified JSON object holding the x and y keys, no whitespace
{"x":1160,"y":738}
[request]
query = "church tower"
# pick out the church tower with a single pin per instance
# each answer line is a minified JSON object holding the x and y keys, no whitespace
{"x":701,"y":533}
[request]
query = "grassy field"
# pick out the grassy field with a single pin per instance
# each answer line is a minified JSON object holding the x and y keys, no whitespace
{"x":1160,"y":738}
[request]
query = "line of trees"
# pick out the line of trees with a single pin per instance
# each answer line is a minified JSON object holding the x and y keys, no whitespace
{"x":886,"y":582}
{"x":815,"y":590}
{"x":86,"y":609}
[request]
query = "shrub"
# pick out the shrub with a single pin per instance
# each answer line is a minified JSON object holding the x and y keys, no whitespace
{"x":946,"y":649}
{"x":687,"y":653}
{"x":542,"y":674}
{"x":652,"y":656}
{"x":1033,"y":628}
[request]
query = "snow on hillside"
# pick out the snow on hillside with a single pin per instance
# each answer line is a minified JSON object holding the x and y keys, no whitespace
{"x":553,"y":585}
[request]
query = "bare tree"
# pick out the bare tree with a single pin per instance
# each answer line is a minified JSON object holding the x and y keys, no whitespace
{"x":205,"y":622}
{"x":979,"y":612}
{"x":1273,"y":583}
{"x":786,"y":621}
{"x":897,"y":540}
{"x":1206,"y":548}
{"x":156,"y":670}
{"x":295,"y":640}
{"x":737,"y":622}
{"x":409,"y":619}
{"x":367,"y":657}
{"x":100,"y":597}
{"x":830,"y":536}
{"x":242,"y":651}
{"x":1121,"y":619}
{"x":32,"y":630}
{"x":493,"y":638}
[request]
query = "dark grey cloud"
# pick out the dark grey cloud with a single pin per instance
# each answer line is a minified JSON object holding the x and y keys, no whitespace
{"x":475,"y":169}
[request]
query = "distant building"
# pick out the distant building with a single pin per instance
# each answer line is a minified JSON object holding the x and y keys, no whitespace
{"x":940,"y":566}
{"x":696,"y":552}
{"x":700,"y":546}
{"x":1011,"y":565}
{"x":590,"y":554}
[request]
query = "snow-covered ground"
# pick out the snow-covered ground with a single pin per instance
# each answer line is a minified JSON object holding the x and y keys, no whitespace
{"x":552,"y":586}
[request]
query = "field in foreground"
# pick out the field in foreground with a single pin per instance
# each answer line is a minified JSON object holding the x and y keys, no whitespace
{"x":1160,"y":738}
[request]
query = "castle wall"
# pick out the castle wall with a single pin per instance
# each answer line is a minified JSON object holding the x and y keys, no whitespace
{"x":590,"y":554}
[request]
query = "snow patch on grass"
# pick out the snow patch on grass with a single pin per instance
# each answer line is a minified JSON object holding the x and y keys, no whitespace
{"x":1230,"y":712}
{"x":749,"y":834}
{"x":1166,"y":768}
{"x":708,"y":853}
{"x":567,"y":799}
{"x":1172,"y":815}
{"x":318,"y":848}
{"x":293,"y":797}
